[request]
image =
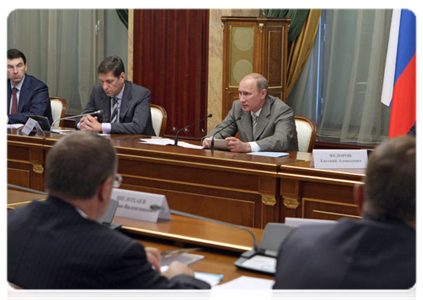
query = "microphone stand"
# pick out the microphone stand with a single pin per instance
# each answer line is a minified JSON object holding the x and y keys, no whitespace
{"x":179,"y":130}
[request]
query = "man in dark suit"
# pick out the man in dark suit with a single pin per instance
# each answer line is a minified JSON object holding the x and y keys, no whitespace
{"x":375,"y":252}
{"x":58,"y":243}
{"x":125,"y":106}
{"x":26,"y":95}
{"x":264,"y":122}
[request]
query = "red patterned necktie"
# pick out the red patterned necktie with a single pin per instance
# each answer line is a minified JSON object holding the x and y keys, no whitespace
{"x":14,"y":101}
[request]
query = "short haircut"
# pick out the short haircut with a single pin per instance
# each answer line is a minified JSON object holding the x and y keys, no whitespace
{"x":78,"y":164}
{"x":15,"y":53}
{"x":261,"y":81}
{"x":390,"y":183}
{"x":112,"y":63}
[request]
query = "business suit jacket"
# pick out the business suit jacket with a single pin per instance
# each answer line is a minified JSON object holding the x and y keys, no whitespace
{"x":51,"y":246}
{"x":275,"y":129}
{"x":135,"y":115}
{"x":33,"y":100}
{"x":372,"y":253}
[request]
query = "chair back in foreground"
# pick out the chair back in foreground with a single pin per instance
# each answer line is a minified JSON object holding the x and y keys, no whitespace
{"x":306,"y":132}
{"x":159,"y":119}
{"x":14,"y":292}
{"x":58,"y":110}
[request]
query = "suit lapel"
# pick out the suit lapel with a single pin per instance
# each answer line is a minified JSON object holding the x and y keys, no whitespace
{"x":247,"y":125}
{"x":124,"y":105}
{"x":9,"y":95}
{"x":23,"y":94}
{"x":263,"y":119}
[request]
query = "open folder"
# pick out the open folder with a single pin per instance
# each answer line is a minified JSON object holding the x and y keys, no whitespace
{"x":264,"y":258}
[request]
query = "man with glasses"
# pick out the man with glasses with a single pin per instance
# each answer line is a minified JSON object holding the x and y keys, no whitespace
{"x":26,"y":95}
{"x":58,"y":243}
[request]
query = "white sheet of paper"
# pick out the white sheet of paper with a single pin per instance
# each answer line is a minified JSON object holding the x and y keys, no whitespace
{"x":243,"y":288}
{"x":14,"y":126}
{"x":260,"y":262}
{"x":269,"y":154}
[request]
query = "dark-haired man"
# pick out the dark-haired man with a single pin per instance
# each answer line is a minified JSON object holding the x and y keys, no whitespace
{"x":264,"y":122}
{"x":125,"y":106}
{"x":376,"y":252}
{"x":26,"y":95}
{"x":58,"y":243}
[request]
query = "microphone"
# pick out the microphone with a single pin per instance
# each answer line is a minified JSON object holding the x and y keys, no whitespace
{"x":212,"y":140}
{"x":165,"y":209}
{"x":97,"y":112}
{"x":179,"y":130}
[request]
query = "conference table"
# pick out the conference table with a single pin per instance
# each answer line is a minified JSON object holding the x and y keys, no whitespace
{"x":238,"y":188}
{"x":220,"y":245}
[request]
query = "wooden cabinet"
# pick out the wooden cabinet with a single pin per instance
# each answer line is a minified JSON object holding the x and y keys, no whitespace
{"x":254,"y":45}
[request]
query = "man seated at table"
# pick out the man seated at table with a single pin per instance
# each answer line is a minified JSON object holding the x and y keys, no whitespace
{"x":125,"y":106}
{"x":26,"y":95}
{"x":375,"y":252}
{"x":264,"y":122}
{"x":58,"y":244}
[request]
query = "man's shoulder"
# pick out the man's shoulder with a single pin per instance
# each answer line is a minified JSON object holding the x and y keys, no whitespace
{"x":135,"y":88}
{"x":276,"y":103}
{"x":33,"y":81}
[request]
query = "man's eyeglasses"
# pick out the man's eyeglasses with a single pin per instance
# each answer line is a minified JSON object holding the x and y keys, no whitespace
{"x":117,"y":181}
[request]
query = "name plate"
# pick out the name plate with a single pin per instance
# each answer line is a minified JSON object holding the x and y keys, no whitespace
{"x":339,"y":159}
{"x":137,"y":205}
{"x":29,"y":125}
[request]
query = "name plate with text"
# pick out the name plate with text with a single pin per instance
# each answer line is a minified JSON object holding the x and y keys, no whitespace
{"x":339,"y":159}
{"x":137,"y":205}
{"x":30,"y":125}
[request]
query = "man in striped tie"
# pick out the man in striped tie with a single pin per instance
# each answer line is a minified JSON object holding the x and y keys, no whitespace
{"x":125,"y":106}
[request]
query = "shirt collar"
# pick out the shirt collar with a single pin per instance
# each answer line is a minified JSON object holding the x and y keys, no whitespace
{"x":19,"y":86}
{"x":257,"y":113}
{"x":120,"y":95}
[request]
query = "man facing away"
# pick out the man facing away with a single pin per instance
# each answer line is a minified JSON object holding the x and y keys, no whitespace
{"x":26,"y":95}
{"x":125,"y":106}
{"x":375,"y":252}
{"x":58,"y":243}
{"x":264,"y":122}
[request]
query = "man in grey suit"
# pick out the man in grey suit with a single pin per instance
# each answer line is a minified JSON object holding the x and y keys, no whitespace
{"x":264,"y":122}
{"x":125,"y":106}
{"x":375,"y":252}
{"x":59,"y":244}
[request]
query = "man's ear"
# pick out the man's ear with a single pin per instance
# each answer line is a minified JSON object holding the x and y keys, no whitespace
{"x":359,"y":197}
{"x":105,"y":192}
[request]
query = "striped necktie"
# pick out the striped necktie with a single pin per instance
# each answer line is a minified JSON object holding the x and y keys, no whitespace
{"x":113,"y":118}
{"x":255,"y":117}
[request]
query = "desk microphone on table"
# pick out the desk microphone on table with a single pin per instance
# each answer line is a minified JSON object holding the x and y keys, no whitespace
{"x":179,"y":130}
{"x":97,"y":112}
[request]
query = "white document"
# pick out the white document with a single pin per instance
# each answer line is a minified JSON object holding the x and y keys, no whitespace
{"x":260,"y":262}
{"x":14,"y":126}
{"x":243,"y":288}
{"x":138,"y":205}
{"x":167,"y":142}
{"x":296,"y":222}
{"x":269,"y":154}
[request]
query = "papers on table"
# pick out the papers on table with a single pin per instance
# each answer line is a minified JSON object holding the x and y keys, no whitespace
{"x":269,"y":154}
{"x":62,"y":131}
{"x":261,"y":263}
{"x":244,"y":287}
{"x":166,"y":142}
{"x":210,"y":278}
{"x":14,"y":126}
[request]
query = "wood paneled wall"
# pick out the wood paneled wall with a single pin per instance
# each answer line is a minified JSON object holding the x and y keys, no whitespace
{"x":171,"y":60}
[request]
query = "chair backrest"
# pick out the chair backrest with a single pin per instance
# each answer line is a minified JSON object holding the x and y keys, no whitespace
{"x":14,"y":292}
{"x":159,"y":119}
{"x":306,"y":132}
{"x":58,"y":110}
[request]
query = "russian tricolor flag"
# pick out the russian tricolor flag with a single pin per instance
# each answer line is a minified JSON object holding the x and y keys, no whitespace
{"x":399,"y":84}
